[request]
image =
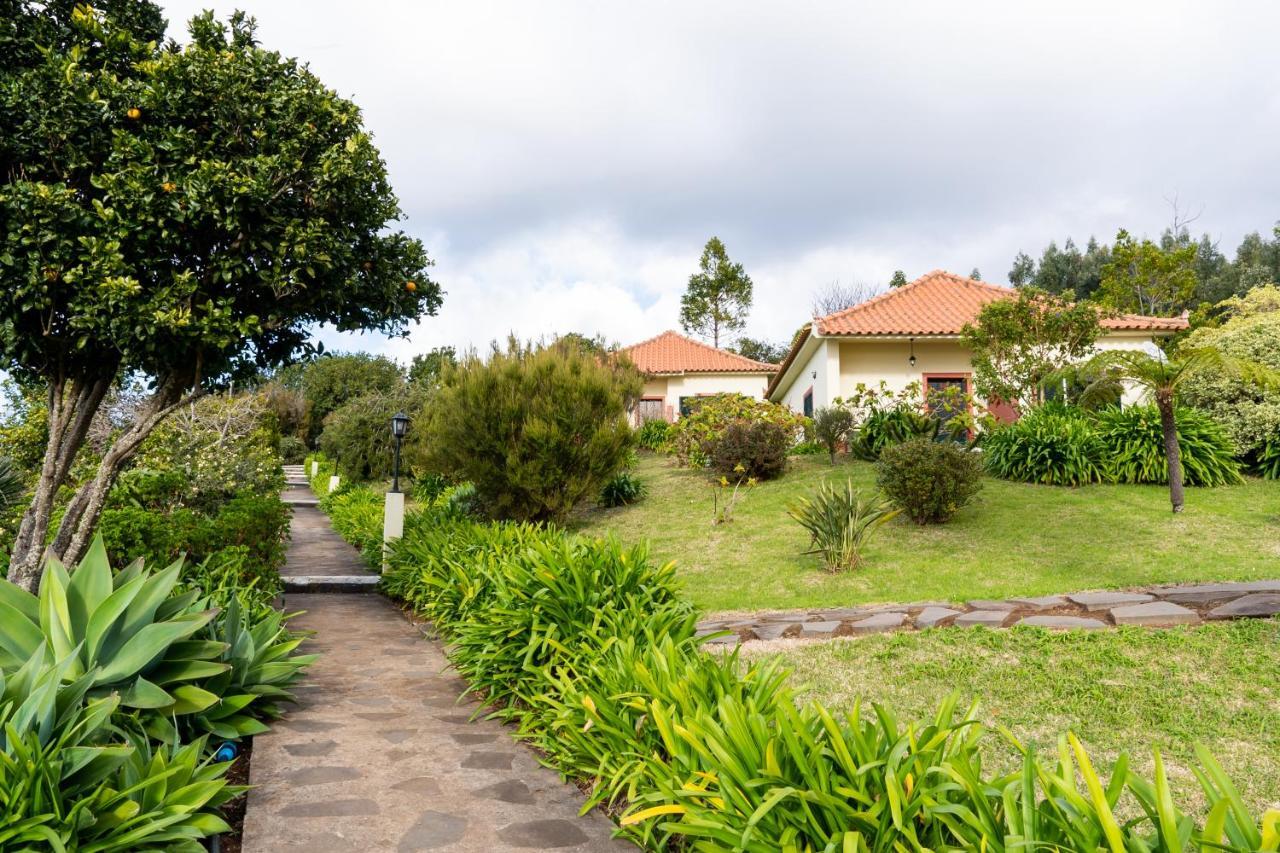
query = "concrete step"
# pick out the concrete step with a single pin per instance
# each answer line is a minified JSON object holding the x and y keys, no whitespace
{"x":329,"y":583}
{"x":300,"y":502}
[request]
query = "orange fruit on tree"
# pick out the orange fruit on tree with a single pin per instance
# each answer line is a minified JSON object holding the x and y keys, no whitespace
{"x":410,"y":286}
{"x":168,"y":186}
{"x":134,"y":113}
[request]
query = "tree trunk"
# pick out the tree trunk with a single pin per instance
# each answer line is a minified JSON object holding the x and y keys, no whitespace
{"x":1172,"y":453}
{"x":70,"y":414}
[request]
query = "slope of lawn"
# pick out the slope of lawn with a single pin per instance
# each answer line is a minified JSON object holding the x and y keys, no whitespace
{"x":1126,"y":689}
{"x":1014,"y":540}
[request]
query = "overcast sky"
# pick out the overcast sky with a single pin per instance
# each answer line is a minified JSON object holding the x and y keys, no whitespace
{"x":565,"y":162}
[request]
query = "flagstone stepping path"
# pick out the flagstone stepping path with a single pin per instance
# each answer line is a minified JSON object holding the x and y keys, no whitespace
{"x":1156,"y":606}
{"x":380,"y":754}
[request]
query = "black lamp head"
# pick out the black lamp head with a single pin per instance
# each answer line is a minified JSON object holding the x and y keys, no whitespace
{"x":399,"y":424}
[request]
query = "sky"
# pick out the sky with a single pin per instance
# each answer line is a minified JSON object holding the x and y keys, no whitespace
{"x":564,"y":163}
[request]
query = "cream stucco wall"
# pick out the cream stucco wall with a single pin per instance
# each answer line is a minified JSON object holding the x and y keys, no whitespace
{"x":672,"y":388}
{"x":871,"y":361}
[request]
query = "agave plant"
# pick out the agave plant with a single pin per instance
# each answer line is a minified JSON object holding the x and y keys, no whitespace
{"x":122,"y":633}
{"x":840,"y":521}
{"x":70,"y":779}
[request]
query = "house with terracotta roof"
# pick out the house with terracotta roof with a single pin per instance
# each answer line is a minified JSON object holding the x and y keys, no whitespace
{"x":678,"y":370}
{"x":912,"y":334}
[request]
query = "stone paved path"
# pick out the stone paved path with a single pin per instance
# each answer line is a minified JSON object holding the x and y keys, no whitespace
{"x":1156,"y":606}
{"x":379,"y":755}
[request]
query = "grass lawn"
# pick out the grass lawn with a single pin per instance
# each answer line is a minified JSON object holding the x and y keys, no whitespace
{"x":1128,"y":689}
{"x":1014,"y":540}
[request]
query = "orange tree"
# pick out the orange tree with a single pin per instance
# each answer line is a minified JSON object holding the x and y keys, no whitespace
{"x":185,"y":214}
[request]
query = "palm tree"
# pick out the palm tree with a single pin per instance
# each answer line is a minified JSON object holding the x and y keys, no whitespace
{"x":1162,"y":377}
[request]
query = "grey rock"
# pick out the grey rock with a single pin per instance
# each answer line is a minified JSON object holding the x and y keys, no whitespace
{"x":819,"y":629}
{"x":433,"y":829}
{"x":879,"y":622}
{"x":842,"y":613}
{"x":314,"y":748}
{"x":774,"y":630}
{"x":931,"y":616}
{"x":989,"y":604}
{"x":473,"y":738}
{"x":418,"y":785}
{"x":985,"y":618}
{"x":488,"y":760}
{"x":1254,"y":604}
{"x":1044,"y":602}
{"x":323,"y":774}
{"x":1049,"y":620}
{"x":1108,"y":600}
{"x":1204,"y":593}
{"x":507,"y":791}
{"x":542,"y":834}
{"x":1262,"y":586}
{"x":1154,"y":613}
{"x":331,"y":808}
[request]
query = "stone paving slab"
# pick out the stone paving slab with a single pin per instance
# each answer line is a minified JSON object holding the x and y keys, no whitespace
{"x":1153,"y":606}
{"x":315,"y":550}
{"x":380,"y":755}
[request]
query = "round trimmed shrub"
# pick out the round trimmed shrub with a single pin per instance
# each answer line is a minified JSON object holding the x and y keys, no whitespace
{"x":1134,"y":444}
{"x":744,"y":449}
{"x":930,"y":480}
{"x":1053,"y":444}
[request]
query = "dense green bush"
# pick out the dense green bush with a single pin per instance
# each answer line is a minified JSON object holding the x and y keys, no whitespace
{"x":930,"y":480}
{"x":882,"y":418}
{"x":1249,"y":413}
{"x":537,"y":430}
{"x":356,"y":514}
{"x":695,"y":437}
{"x":749,"y":450}
{"x":330,"y":381}
{"x":292,"y":449}
{"x":588,"y":649}
{"x":840,"y":521}
{"x":258,"y":523}
{"x":1135,"y":447}
{"x":1051,"y":444}
{"x":624,"y":489}
{"x":357,"y":435}
{"x":653,"y":435}
{"x":831,"y":427}
{"x":1269,"y":458}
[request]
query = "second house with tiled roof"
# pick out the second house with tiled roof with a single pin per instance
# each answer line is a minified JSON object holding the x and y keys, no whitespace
{"x":678,"y":370}
{"x":912,"y":335}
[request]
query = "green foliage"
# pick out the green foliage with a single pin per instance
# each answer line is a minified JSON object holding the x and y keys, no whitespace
{"x":840,"y":521}
{"x":222,"y":445}
{"x":760,"y":350}
{"x":831,"y":426}
{"x":624,"y":489}
{"x":898,"y":279}
{"x":1018,"y":343}
{"x":718,"y":296}
{"x":292,"y":449}
{"x":72,"y":779}
{"x":586,"y":647}
{"x":1067,"y":271}
{"x":882,"y":418}
{"x":426,"y":368}
{"x":1250,"y":413}
{"x":257,"y":523}
{"x":1269,"y":458}
{"x":653,"y":435}
{"x":695,"y":437}
{"x":1144,"y":277}
{"x":1135,"y":453}
{"x":930,"y":480}
{"x":357,"y":435}
{"x":536,"y":430}
{"x":356,"y":514}
{"x":750,"y":450}
{"x":427,"y":488}
{"x":329,"y":382}
{"x":1052,"y":444}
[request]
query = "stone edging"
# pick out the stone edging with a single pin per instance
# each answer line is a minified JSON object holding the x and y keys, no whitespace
{"x":1156,"y":606}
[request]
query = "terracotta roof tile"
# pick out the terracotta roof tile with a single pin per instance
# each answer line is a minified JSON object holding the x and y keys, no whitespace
{"x":670,"y":352}
{"x":941,"y":303}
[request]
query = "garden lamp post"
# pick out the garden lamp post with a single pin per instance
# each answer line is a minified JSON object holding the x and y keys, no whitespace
{"x":393,"y":512}
{"x":399,"y":429}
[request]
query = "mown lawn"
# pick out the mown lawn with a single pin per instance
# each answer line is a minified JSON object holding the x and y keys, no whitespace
{"x":1014,"y":540}
{"x":1127,"y":689}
